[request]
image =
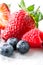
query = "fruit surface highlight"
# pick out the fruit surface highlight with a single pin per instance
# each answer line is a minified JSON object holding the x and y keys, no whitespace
{"x":22,"y":47}
{"x":6,"y":50}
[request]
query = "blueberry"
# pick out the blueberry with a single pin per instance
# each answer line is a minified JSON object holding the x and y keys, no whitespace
{"x":13,"y":42}
{"x":22,"y":47}
{"x":6,"y":50}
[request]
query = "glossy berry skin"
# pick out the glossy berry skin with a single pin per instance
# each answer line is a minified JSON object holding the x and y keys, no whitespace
{"x":33,"y":37}
{"x":22,"y":47}
{"x":13,"y":42}
{"x":19,"y":23}
{"x":6,"y":50}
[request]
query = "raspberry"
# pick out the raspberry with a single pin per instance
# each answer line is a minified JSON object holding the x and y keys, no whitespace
{"x":33,"y":38}
{"x":19,"y":23}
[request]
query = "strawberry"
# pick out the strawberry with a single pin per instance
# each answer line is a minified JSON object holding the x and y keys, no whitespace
{"x":4,"y":15}
{"x":19,"y":23}
{"x":33,"y":37}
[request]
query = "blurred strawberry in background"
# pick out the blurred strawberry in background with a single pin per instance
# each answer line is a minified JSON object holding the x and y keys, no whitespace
{"x":4,"y":15}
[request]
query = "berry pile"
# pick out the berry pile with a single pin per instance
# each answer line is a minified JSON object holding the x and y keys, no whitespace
{"x":13,"y":44}
{"x":20,"y":29}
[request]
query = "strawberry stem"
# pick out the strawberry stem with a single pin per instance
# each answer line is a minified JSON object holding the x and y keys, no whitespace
{"x":37,"y":9}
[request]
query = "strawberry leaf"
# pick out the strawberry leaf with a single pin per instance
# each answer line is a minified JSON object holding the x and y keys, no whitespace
{"x":22,"y":4}
{"x":30,"y":8}
{"x":38,"y":16}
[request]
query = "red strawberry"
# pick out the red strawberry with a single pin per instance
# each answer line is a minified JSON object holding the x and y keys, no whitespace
{"x":4,"y":15}
{"x":19,"y":23}
{"x":33,"y":38}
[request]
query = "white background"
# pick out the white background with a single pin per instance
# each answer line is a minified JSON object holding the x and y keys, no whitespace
{"x":34,"y":56}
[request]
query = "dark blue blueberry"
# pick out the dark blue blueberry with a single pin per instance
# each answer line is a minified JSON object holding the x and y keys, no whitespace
{"x":22,"y":47}
{"x":13,"y":42}
{"x":6,"y":50}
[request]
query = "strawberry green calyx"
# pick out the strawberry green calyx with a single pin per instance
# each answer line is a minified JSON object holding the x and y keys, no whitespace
{"x":37,"y":15}
{"x":22,"y":5}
